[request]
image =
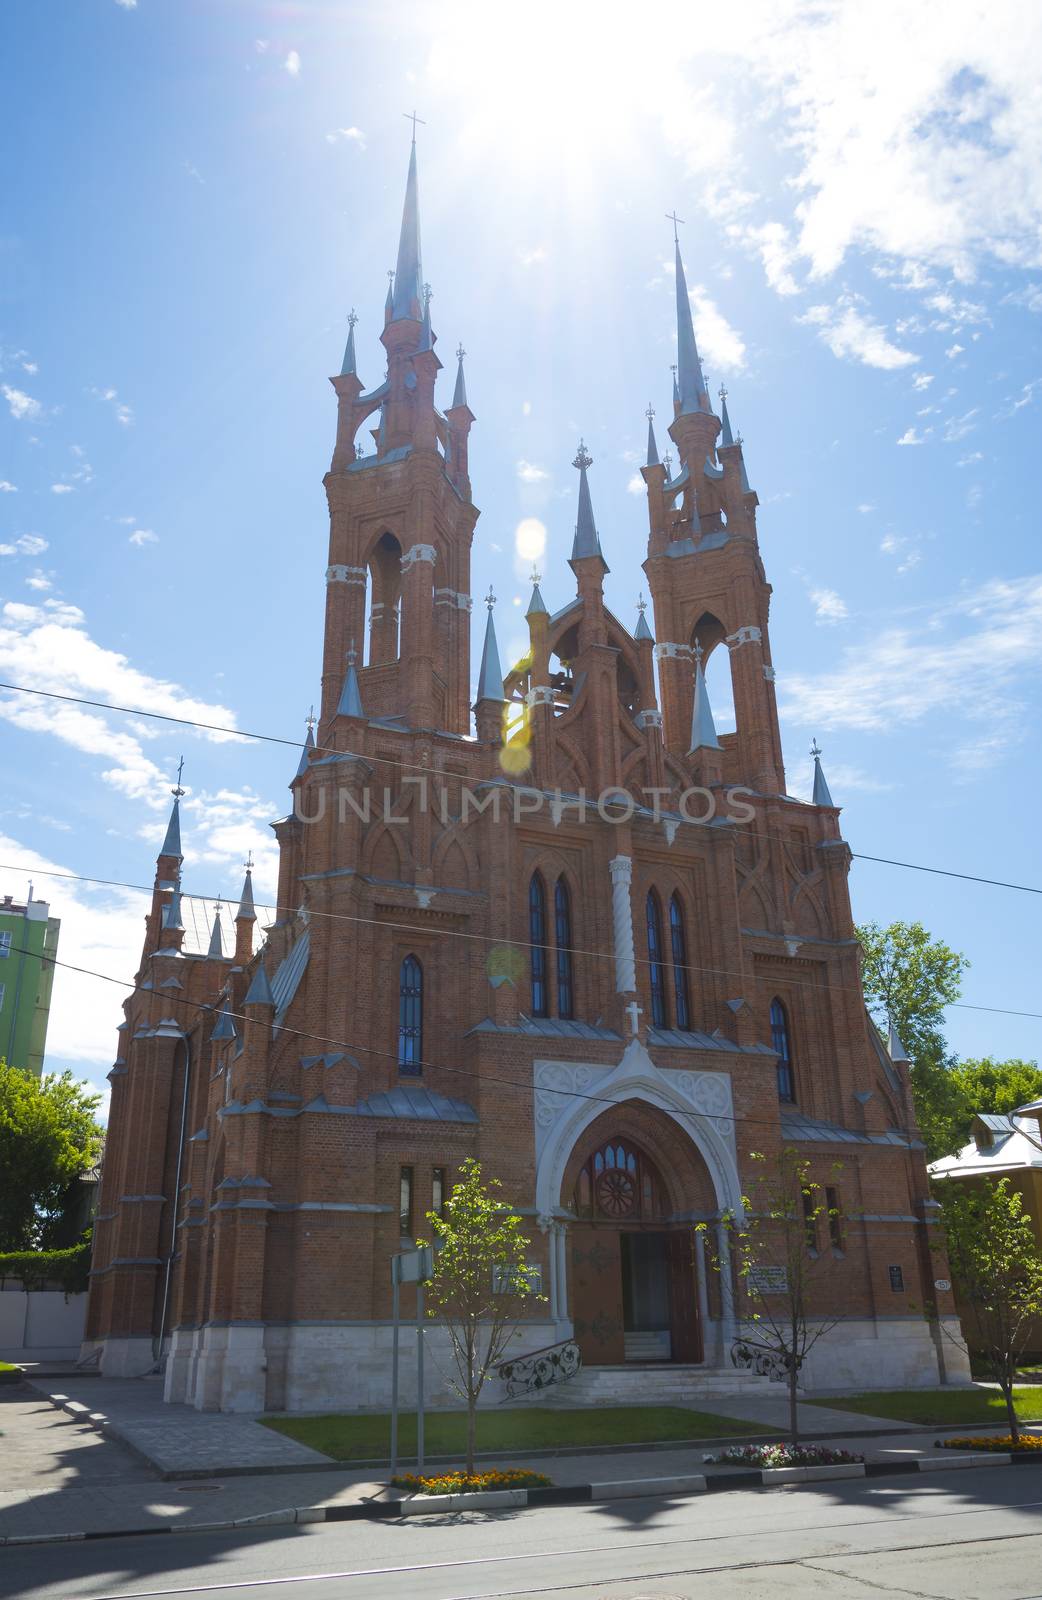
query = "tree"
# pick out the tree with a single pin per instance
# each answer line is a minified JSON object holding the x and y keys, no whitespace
{"x":997,"y":1086}
{"x":909,"y":977}
{"x":48,"y":1136}
{"x":779,"y":1257}
{"x":481,"y":1282}
{"x":998,"y":1274}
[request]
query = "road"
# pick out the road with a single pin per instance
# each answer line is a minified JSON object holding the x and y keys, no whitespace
{"x":955,"y":1536}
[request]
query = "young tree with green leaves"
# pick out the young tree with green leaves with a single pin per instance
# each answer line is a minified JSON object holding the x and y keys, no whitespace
{"x":48,"y":1136}
{"x":984,"y":1084}
{"x":781,"y":1245}
{"x":909,"y":977}
{"x":997,"y":1268}
{"x":481,"y":1284}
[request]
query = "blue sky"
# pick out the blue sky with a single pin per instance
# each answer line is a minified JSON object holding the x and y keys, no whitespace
{"x":199,"y":193}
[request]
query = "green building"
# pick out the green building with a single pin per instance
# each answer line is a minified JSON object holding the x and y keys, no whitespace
{"x":28,"y":946}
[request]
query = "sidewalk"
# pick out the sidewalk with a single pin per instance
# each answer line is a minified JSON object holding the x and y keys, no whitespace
{"x":62,"y":1477}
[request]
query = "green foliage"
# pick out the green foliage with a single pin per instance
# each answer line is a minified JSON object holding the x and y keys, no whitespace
{"x":481,"y":1281}
{"x":48,"y":1136}
{"x":779,"y":1252}
{"x":997,"y":1086}
{"x":997,"y":1269}
{"x":40,"y":1269}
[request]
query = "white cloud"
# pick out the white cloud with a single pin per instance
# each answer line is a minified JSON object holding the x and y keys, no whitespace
{"x":533,"y":257}
{"x":850,"y":334}
{"x":1014,"y":404}
{"x":922,"y":380}
{"x":7,"y":488}
{"x":22,"y":405}
{"x":123,"y":414}
{"x":722,"y":347}
{"x":27,"y":544}
{"x":972,"y":458}
{"x":777,"y":252}
{"x":829,"y":607}
{"x":39,"y":581}
{"x":955,"y":350}
{"x":529,"y":473}
{"x":61,"y":488}
{"x":987,"y":640}
{"x":292,"y":63}
{"x":865,"y":508}
{"x":635,"y":485}
{"x":957,"y":428}
{"x":843,"y":780}
{"x":127,"y":5}
{"x":142,"y":536}
{"x":353,"y":136}
{"x":913,"y":436}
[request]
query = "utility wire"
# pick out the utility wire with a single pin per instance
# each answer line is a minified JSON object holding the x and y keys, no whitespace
{"x":450,"y":777}
{"x":491,"y":939}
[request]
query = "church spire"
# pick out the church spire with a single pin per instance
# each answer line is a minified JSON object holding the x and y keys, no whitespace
{"x":537,"y":605}
{"x":642,"y":631}
{"x":690,"y":384}
{"x":821,"y":795}
{"x":305,"y":749}
{"x":246,"y":912}
{"x":172,"y":842}
{"x":726,"y":436}
{"x":587,"y":540}
{"x":407,"y":297}
{"x":652,"y":460}
{"x":349,"y":368}
{"x":351,"y":695}
{"x":703,"y":728}
{"x":216,"y":939}
{"x":459,"y":394}
{"x":490,"y":678}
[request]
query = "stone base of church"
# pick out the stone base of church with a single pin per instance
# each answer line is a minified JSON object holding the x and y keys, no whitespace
{"x":319,"y":1366}
{"x":888,"y":1353}
{"x":119,"y":1358}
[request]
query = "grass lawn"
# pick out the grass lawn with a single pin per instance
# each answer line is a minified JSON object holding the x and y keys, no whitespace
{"x":937,"y":1406}
{"x":368,"y":1438}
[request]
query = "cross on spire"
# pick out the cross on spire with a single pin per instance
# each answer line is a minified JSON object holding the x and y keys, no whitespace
{"x":460,"y":352}
{"x":642,"y":604}
{"x":352,"y":654}
{"x":699,"y":652}
{"x":672,"y":217}
{"x":428,"y":294}
{"x":248,"y":863}
{"x":722,"y":392}
{"x":490,"y":598}
{"x":352,"y":317}
{"x":178,"y":791}
{"x":309,"y":720}
{"x":650,"y":412}
{"x":537,"y":576}
{"x":815,"y":749}
{"x":410,"y":116}
{"x":583,"y":458}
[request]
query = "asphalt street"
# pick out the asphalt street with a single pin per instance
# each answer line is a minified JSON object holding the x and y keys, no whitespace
{"x":960,"y":1536}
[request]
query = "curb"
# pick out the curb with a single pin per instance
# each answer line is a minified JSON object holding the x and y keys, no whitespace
{"x":419,"y":1505}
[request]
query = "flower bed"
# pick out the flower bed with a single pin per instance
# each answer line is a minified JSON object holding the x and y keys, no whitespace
{"x":470,"y":1482}
{"x":994,"y":1441}
{"x":783,"y":1455}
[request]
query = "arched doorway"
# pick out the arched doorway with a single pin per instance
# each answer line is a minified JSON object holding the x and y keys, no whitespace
{"x":633,"y":1264}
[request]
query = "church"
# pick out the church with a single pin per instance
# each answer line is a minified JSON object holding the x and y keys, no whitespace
{"x":567,"y":928}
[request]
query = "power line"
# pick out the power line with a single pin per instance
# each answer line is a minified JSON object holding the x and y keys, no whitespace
{"x":435,"y":772}
{"x":492,"y":939}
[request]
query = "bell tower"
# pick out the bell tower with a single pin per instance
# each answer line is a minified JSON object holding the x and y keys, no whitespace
{"x":401,"y":518}
{"x":705,"y":573}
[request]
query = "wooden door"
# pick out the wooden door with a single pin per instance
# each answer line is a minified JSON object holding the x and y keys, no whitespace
{"x":596,"y":1295}
{"x":685,"y":1329}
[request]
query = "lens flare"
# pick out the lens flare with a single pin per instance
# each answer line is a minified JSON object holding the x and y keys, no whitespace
{"x":530,"y":539}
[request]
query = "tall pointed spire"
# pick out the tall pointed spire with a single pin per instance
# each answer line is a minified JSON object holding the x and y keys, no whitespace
{"x":459,"y":394}
{"x":691,"y":385}
{"x":306,"y":748}
{"x":407,"y":300}
{"x":652,"y":460}
{"x":587,"y":540}
{"x":490,"y":678}
{"x":389,"y":301}
{"x":349,"y":369}
{"x":426,"y":332}
{"x":216,"y":940}
{"x":246,"y":913}
{"x":172,"y":842}
{"x":537,"y":605}
{"x":350,"y":704}
{"x":642,"y":631}
{"x":821,"y":795}
{"x":743,"y":476}
{"x":726,"y":436}
{"x":703,"y":728}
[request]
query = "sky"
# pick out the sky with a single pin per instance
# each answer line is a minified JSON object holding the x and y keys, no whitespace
{"x":196,"y":194}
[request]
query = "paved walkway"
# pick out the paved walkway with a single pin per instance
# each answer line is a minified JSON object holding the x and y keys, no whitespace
{"x":59,"y":1475}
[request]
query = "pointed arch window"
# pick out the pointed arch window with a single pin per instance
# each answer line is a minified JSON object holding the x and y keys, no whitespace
{"x":780,"y":1042}
{"x":563,"y":941}
{"x":537,"y":943}
{"x":410,"y":1017}
{"x":678,"y":948}
{"x":657,"y":972}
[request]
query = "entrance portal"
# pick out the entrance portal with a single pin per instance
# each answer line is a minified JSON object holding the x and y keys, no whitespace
{"x":632,"y":1274}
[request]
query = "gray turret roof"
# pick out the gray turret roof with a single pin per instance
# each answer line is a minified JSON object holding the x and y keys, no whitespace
{"x":587,"y":540}
{"x":349,"y":369}
{"x":407,"y":299}
{"x":703,"y":728}
{"x":259,"y":993}
{"x":246,"y":913}
{"x":490,"y":678}
{"x":821,"y":795}
{"x":350,"y":704}
{"x":216,"y":947}
{"x":691,"y":384}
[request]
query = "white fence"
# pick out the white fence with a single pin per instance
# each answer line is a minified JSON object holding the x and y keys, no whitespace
{"x":41,"y":1325}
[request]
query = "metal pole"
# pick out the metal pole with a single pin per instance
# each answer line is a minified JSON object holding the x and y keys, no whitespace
{"x":394,"y":1371}
{"x":419,"y":1377}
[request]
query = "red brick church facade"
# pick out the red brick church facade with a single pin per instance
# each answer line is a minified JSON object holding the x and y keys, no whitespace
{"x":555,"y":938}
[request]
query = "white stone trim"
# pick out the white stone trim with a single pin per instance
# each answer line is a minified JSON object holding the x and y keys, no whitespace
{"x":746,"y":635}
{"x":769,"y":674}
{"x":342,"y":574}
{"x":419,"y":552}
{"x":671,"y":652}
{"x":541,"y":695}
{"x":648,"y":719}
{"x":621,"y":869}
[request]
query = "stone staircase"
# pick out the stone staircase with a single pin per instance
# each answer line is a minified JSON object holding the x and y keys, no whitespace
{"x":655,"y":1384}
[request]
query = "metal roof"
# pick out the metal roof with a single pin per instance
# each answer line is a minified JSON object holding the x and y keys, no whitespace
{"x":286,"y":981}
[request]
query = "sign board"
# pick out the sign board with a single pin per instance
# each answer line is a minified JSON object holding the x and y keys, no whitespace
{"x":505,"y":1278}
{"x":897,"y":1279}
{"x":768,"y":1280}
{"x":413,"y":1266}
{"x":944,"y":1284}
